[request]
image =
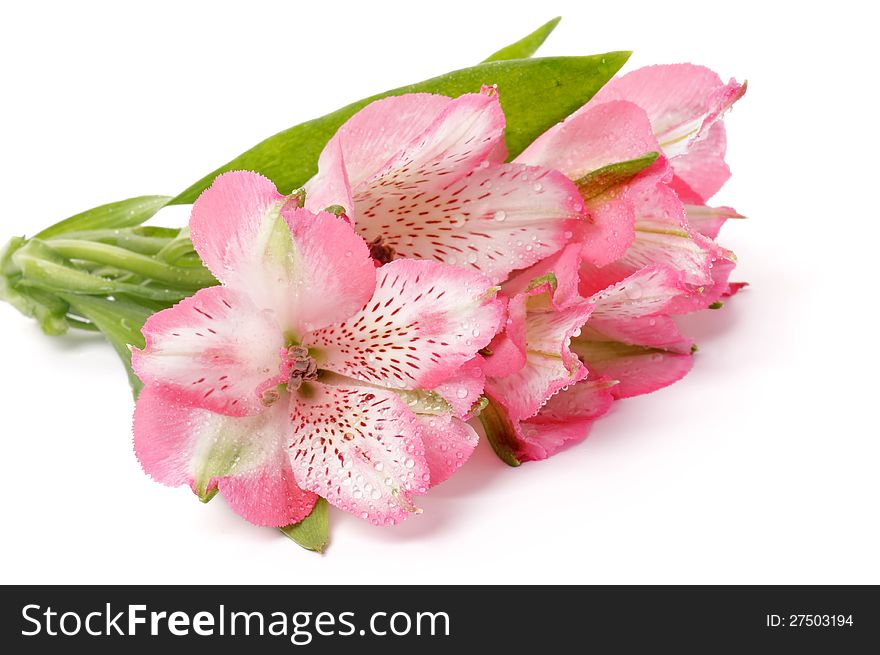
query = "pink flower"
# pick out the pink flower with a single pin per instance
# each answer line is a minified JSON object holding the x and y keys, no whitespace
{"x":647,"y":143}
{"x":564,"y":357}
{"x":423,"y":176}
{"x":308,"y":371}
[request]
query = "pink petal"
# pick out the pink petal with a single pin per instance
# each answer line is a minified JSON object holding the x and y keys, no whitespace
{"x":564,"y":266}
{"x":331,"y":274}
{"x":637,"y":369}
{"x":648,"y":292}
{"x":566,"y":418}
{"x":424,"y":321}
{"x":370,"y":139}
{"x":493,"y":219}
{"x":463,"y":390}
{"x":448,"y":443}
{"x":244,"y":457}
{"x":702,"y":171}
{"x":359,"y":448}
{"x":543,"y":331}
{"x":708,"y":221}
{"x":593,"y":137}
{"x":309,"y":269}
{"x":214,"y":350}
{"x":682,"y":101}
{"x":426,"y":183}
{"x":331,"y":186}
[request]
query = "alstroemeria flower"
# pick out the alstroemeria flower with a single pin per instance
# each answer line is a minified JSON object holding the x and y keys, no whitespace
{"x":579,"y":353}
{"x":644,"y":144}
{"x":308,"y":371}
{"x":423,"y":176}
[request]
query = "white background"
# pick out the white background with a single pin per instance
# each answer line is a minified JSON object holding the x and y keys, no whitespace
{"x":761,"y":466}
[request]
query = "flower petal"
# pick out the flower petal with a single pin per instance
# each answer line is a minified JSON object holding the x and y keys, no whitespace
{"x":423,"y":322}
{"x":244,"y":457}
{"x":214,"y":350}
{"x":543,"y":331}
{"x":496,"y":218}
{"x":359,"y":448}
{"x":566,"y":418}
{"x":593,"y":137}
{"x":702,"y":171}
{"x":449,"y":442}
{"x":309,"y":269}
{"x":637,"y":369}
{"x":682,"y":101}
{"x":708,"y":221}
{"x":371,"y":138}
{"x":331,"y":272}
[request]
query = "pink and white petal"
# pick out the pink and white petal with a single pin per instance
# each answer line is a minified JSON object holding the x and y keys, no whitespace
{"x":493,"y":218}
{"x":708,"y":221}
{"x":214,"y":350}
{"x":462,"y":135}
{"x":232,"y":224}
{"x":593,"y":137}
{"x":682,"y":101}
{"x":637,"y":369}
{"x":449,"y":442}
{"x":566,"y":418}
{"x":549,"y":363}
{"x":359,"y":448}
{"x":244,"y":457}
{"x":463,"y":390}
{"x":648,"y":292}
{"x":280,"y":256}
{"x":424,"y":321}
{"x":330,"y":272}
{"x":564,"y":266}
{"x":375,"y":135}
{"x":330,"y":186}
{"x":702,"y":171}
{"x":720,"y":265}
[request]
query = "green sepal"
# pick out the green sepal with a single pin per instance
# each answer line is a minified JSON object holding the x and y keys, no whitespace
{"x":121,"y":214}
{"x":608,"y":177}
{"x":313,"y":532}
{"x":499,"y":432}
{"x":526,"y":46}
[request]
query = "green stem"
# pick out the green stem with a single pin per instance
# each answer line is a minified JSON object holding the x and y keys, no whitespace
{"x":181,"y":277}
{"x":128,"y":239}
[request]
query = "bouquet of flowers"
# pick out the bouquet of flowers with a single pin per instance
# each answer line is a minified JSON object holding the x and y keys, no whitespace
{"x":508,"y":244}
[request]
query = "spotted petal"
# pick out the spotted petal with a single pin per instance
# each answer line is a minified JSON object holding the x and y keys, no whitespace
{"x":423,"y":322}
{"x":244,"y":457}
{"x":438,"y":190}
{"x":214,"y":350}
{"x":359,"y":448}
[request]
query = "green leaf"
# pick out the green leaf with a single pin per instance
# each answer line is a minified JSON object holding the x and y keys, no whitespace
{"x":608,"y":177}
{"x":526,"y":46}
{"x":313,"y":532}
{"x":119,"y":320}
{"x":125,"y":213}
{"x":499,"y":432}
{"x":535,"y":95}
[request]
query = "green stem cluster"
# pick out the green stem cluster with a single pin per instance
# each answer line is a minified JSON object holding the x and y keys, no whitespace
{"x":102,"y":271}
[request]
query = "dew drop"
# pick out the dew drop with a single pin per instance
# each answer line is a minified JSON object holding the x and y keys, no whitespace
{"x":500,"y":216}
{"x":461,"y":392}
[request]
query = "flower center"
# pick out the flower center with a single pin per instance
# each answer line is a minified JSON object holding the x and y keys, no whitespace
{"x":381,"y":252}
{"x":302,"y":366}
